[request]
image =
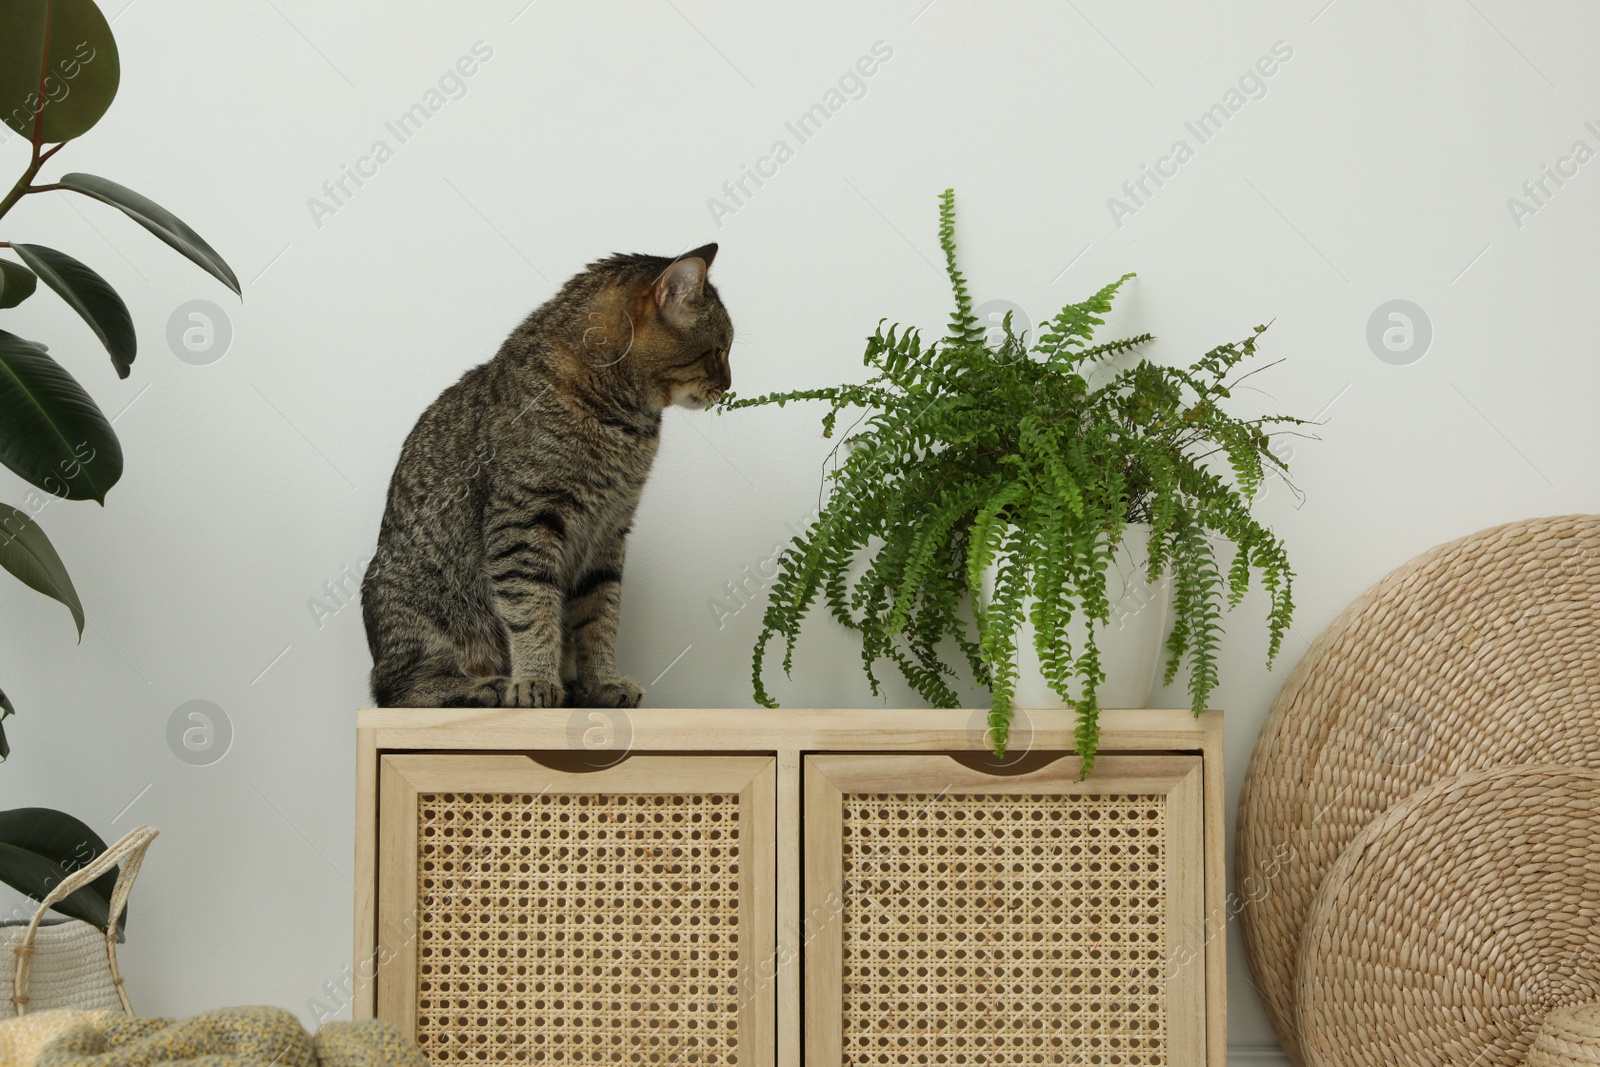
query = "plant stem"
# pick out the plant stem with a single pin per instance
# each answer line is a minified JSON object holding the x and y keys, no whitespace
{"x":23,"y":188}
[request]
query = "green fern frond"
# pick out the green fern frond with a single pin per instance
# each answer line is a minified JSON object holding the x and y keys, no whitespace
{"x":964,"y":328}
{"x":1074,"y":324}
{"x":972,"y":459}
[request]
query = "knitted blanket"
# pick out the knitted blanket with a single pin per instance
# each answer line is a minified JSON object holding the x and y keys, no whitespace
{"x":228,"y":1037}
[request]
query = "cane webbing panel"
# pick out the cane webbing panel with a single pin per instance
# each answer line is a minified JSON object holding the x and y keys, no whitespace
{"x":998,"y":930}
{"x":578,"y":928}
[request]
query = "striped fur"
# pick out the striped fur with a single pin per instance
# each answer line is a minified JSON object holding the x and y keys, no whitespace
{"x":497,"y":580}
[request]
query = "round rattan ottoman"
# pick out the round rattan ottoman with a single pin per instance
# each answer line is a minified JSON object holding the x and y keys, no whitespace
{"x":1455,"y":922}
{"x":1570,"y":1037}
{"x":1480,"y":653}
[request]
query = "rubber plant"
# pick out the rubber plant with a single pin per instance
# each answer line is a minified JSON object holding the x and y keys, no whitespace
{"x":59,"y":72}
{"x":974,"y":452}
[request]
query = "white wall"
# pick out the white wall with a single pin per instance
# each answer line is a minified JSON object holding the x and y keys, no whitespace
{"x":1377,"y":166}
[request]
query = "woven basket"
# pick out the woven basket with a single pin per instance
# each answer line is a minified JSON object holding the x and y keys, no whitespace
{"x":1454,"y":922}
{"x":1480,"y":653}
{"x":1570,"y":1037}
{"x":67,"y":963}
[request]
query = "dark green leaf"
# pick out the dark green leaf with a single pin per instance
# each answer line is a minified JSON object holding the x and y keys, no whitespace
{"x":91,"y":296}
{"x":5,"y":709}
{"x":27,"y":553}
{"x":39,"y":847}
{"x":17,"y":283}
{"x":59,"y":68}
{"x":52,"y":433}
{"x":158,"y":220}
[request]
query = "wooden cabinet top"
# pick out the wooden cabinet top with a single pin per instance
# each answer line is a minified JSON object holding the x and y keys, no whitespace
{"x":762,"y":729}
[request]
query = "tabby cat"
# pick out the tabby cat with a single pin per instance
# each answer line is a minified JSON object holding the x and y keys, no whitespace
{"x":498,"y":573}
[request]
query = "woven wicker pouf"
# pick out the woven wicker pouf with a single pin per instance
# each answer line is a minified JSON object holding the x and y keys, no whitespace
{"x":1454,"y":922}
{"x":1480,"y":653}
{"x":1570,"y":1037}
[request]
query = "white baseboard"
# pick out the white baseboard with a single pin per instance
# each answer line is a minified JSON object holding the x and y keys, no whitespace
{"x":1256,"y":1056}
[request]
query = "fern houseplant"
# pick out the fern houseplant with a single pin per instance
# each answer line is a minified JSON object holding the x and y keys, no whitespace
{"x":969,"y":456}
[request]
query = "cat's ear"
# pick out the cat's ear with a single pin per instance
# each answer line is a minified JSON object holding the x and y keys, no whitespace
{"x":683,"y":283}
{"x":705,"y":252}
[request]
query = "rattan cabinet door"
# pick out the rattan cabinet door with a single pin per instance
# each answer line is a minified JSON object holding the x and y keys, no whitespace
{"x":958,"y":917}
{"x":613,"y":916}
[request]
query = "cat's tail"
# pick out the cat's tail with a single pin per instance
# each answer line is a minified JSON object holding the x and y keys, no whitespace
{"x":414,"y":663}
{"x":429,"y":684}
{"x":423,"y":680}
{"x":402,"y":654}
{"x":400,"y":660}
{"x":392,"y":683}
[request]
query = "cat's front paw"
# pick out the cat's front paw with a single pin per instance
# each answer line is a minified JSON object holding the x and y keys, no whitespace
{"x":615,"y":693}
{"x":532,"y":693}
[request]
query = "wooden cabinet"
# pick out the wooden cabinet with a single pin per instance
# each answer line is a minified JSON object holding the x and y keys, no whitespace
{"x":1027,"y":919}
{"x":549,"y":915}
{"x":760,"y":888}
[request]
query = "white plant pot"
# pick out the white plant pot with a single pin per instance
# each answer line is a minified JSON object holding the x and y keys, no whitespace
{"x":1130,"y":644}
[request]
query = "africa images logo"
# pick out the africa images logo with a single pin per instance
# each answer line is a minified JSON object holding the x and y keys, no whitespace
{"x":851,"y":85}
{"x":1251,"y":85}
{"x":1539,"y":190}
{"x":451,"y":85}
